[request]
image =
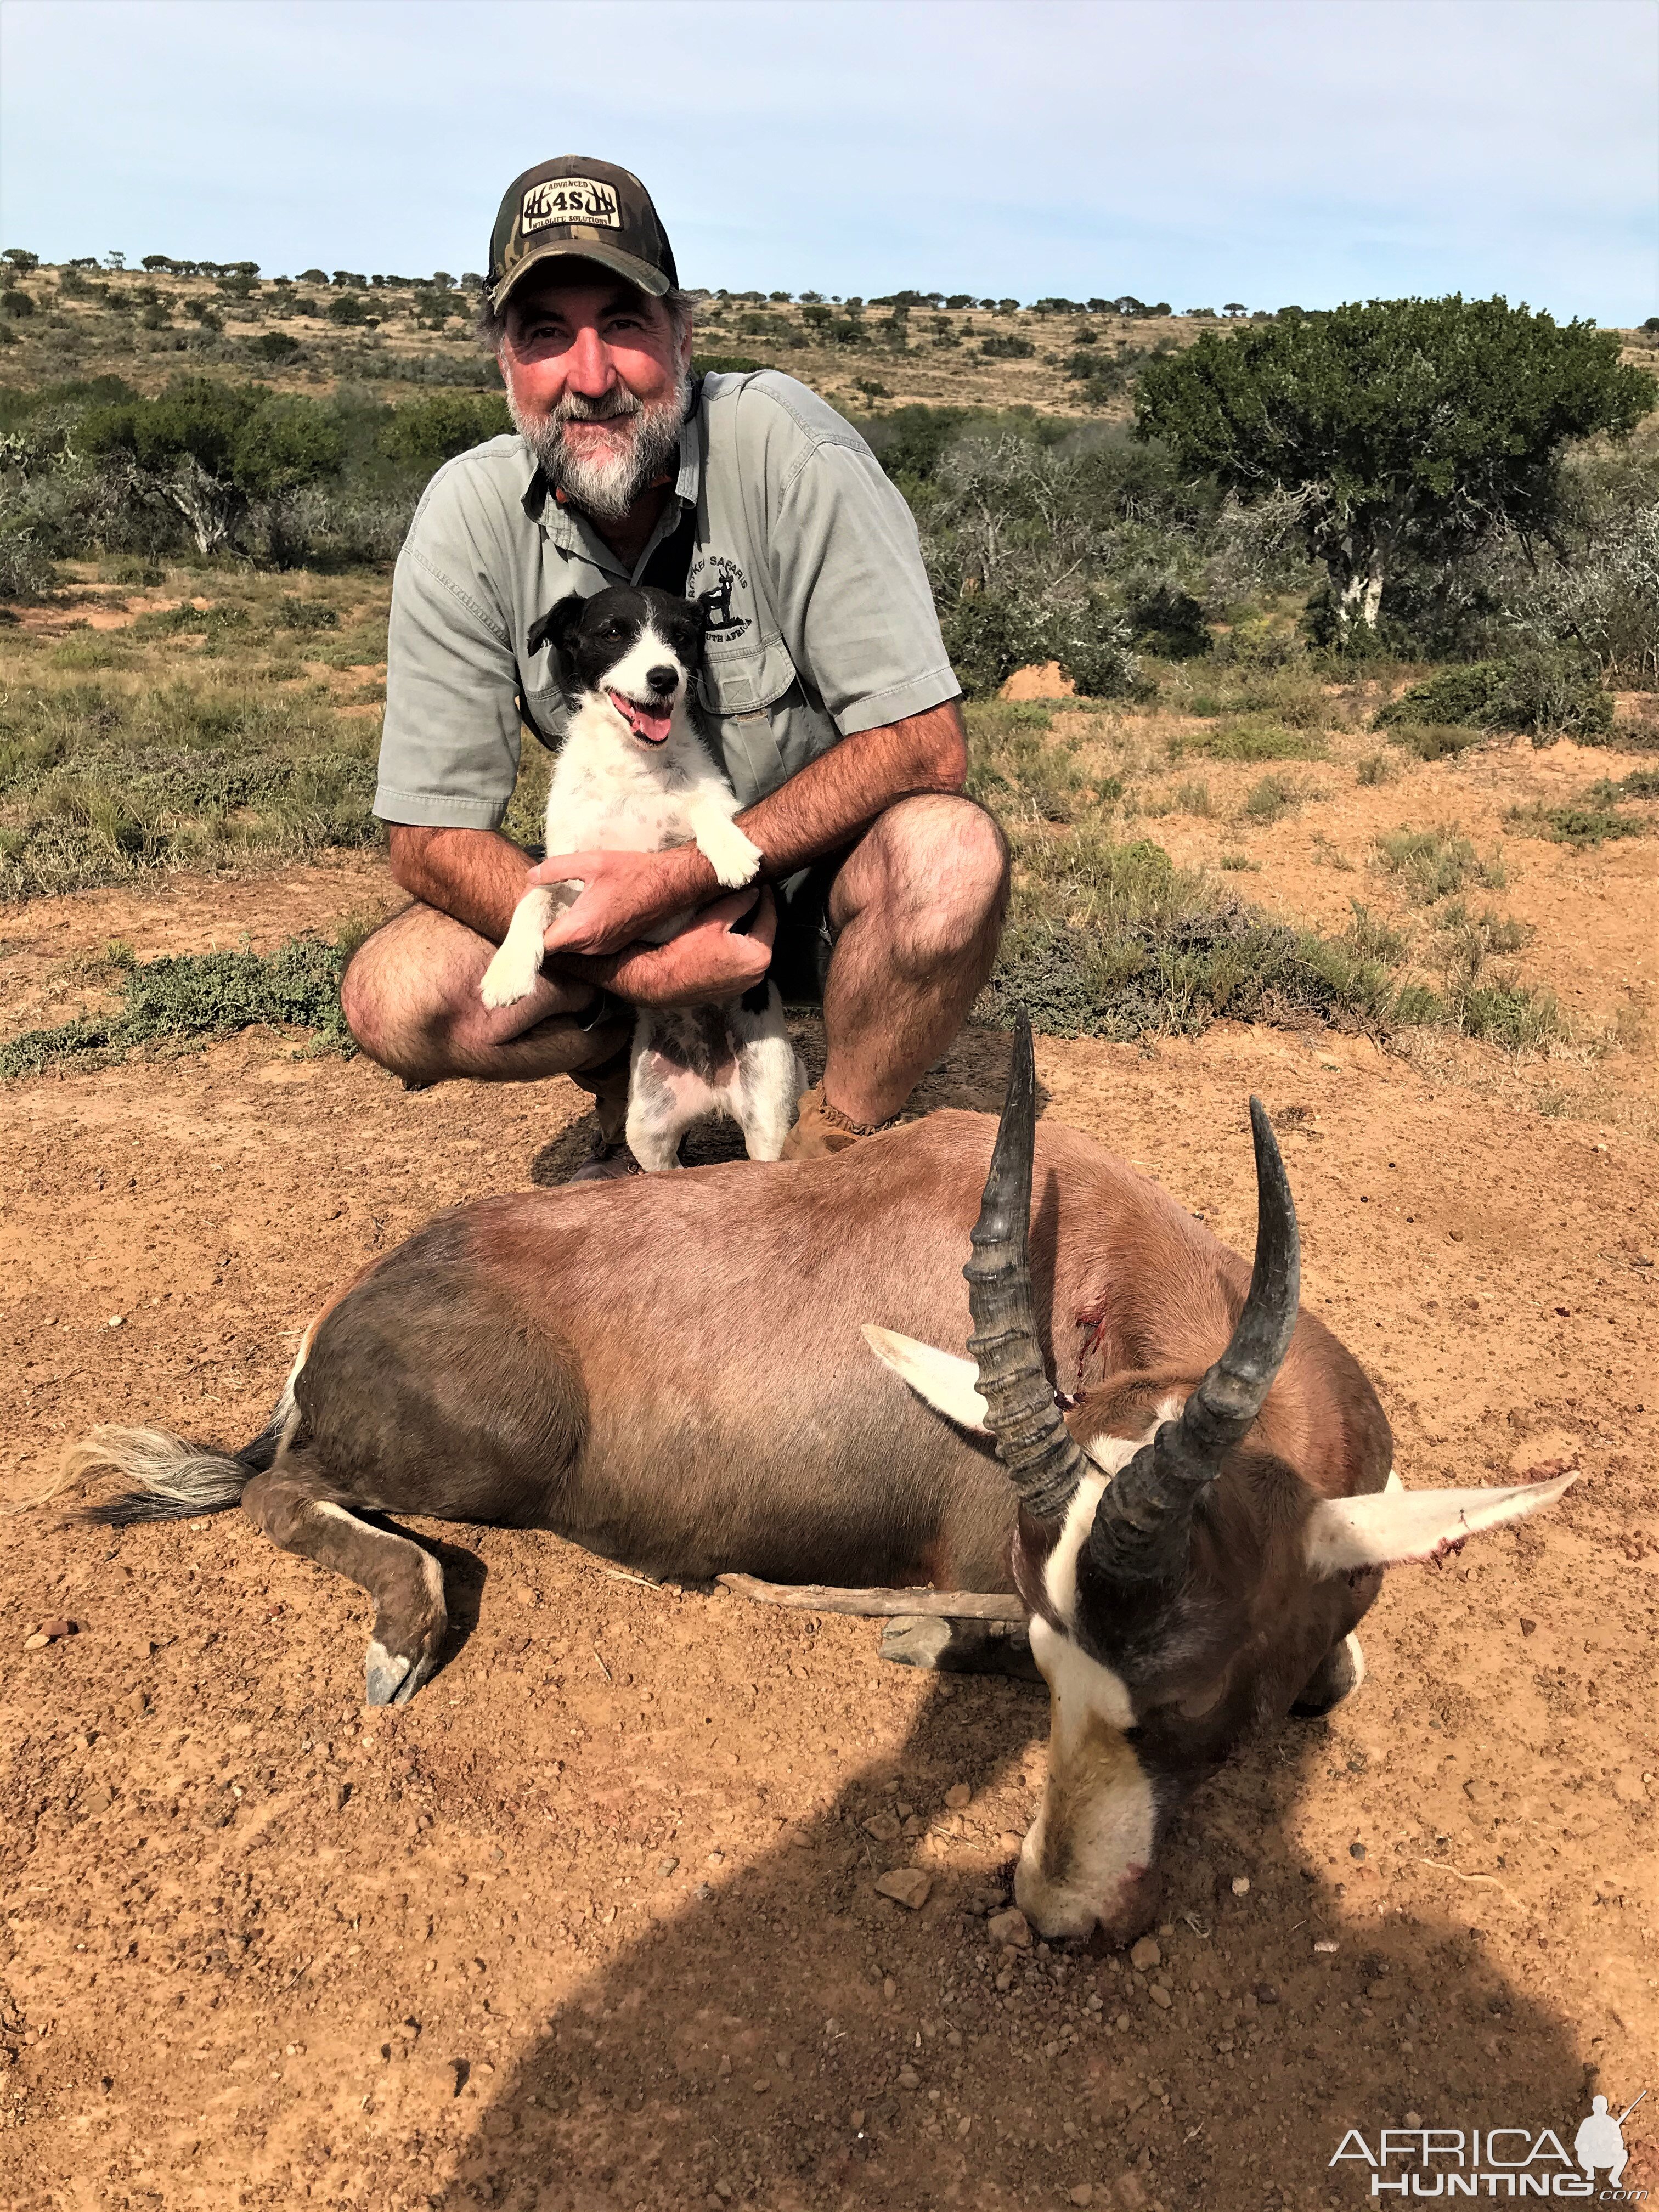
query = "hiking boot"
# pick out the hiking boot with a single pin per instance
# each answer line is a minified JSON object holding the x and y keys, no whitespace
{"x":607,"y":1086}
{"x":821,"y":1129}
{"x":609,"y":1164}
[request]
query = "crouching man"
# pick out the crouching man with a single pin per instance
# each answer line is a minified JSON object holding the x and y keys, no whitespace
{"x":825,"y":692}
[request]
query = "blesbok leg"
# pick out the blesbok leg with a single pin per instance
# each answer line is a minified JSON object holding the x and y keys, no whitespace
{"x":301,"y":1509}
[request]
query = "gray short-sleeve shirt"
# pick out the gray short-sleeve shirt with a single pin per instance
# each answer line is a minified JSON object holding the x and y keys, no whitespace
{"x":821,"y":621}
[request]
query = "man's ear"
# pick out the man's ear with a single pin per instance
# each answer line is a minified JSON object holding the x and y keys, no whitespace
{"x":558,"y":626}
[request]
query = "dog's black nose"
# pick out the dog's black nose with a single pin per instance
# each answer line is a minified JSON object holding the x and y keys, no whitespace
{"x":662,"y":679}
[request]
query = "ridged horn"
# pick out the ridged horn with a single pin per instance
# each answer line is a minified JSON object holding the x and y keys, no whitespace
{"x":1144,"y":1524}
{"x":1035,"y":1445}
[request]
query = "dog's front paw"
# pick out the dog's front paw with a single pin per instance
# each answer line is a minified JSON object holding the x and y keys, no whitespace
{"x":734,"y":859}
{"x":507,"y":978}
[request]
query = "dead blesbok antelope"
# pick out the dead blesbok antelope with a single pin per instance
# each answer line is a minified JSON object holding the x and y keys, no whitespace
{"x":673,"y":1372}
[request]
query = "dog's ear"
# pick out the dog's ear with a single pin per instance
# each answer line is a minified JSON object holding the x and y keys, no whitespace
{"x":558,"y":626}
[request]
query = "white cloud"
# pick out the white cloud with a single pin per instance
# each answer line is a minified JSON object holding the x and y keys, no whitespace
{"x":1186,"y":149}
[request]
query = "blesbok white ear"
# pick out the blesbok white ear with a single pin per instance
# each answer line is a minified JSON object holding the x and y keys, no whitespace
{"x":1394,"y":1525}
{"x":949,"y":1384}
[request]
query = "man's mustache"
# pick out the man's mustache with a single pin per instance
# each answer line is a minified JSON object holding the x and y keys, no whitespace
{"x":616,"y":406}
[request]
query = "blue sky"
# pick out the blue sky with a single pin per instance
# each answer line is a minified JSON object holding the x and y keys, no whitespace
{"x":1193,"y":150}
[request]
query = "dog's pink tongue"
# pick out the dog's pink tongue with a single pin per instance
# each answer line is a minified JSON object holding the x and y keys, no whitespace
{"x":652,"y":727}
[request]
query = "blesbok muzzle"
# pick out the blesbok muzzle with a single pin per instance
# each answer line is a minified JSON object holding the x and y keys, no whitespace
{"x":1142,"y":1529}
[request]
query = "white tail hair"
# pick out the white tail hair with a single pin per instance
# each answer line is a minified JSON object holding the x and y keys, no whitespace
{"x":171,"y":1477}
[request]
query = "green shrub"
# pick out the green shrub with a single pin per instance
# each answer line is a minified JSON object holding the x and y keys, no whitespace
{"x":305,"y":615}
{"x":1273,"y":798}
{"x":1433,"y":864}
{"x":1112,"y":940}
{"x":1376,"y":768}
{"x":1253,"y":741}
{"x":1549,"y":693}
{"x":988,"y":635}
{"x":1093,"y":646}
{"x":26,"y":573}
{"x":427,"y":433}
{"x":196,"y":996}
{"x":1435,"y":741}
{"x":1579,"y":825}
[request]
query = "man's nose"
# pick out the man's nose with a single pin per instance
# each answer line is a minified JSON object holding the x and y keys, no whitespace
{"x":588,"y":367}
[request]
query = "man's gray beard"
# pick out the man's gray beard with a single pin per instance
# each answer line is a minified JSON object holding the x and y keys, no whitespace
{"x":606,"y":489}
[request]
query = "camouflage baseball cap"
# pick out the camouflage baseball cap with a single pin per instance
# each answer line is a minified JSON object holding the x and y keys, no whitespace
{"x":573,"y":208}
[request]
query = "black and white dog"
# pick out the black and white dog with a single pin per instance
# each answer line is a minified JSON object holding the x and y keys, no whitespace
{"x":633,"y":775}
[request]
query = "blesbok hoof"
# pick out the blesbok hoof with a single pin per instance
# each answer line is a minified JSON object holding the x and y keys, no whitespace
{"x":410,"y":1628}
{"x":949,"y":1646}
{"x":1338,"y":1674}
{"x":389,"y":1680}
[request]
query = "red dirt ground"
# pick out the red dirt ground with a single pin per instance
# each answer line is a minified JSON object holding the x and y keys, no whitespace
{"x":592,"y":1922}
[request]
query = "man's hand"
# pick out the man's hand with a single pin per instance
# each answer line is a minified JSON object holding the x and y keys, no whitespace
{"x":708,"y":964}
{"x":622,"y":894}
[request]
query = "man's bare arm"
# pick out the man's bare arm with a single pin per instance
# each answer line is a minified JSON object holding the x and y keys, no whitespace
{"x":477,"y":876}
{"x":820,"y":809}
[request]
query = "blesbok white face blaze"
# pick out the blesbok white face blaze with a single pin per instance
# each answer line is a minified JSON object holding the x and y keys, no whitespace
{"x":1092,"y":1842}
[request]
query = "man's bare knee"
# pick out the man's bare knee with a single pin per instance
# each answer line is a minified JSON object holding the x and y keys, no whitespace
{"x":941,"y":860}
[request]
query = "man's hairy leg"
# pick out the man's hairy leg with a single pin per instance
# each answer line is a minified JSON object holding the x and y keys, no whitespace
{"x":918,"y":906}
{"x":410,"y":997}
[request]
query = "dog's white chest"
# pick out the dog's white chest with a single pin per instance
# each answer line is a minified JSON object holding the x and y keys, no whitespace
{"x":592,"y":808}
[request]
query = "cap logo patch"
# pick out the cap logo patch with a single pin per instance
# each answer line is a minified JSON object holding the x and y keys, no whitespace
{"x":569,"y":199}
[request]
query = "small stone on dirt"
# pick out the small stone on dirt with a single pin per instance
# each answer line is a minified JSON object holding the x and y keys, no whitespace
{"x":1008,"y":1841}
{"x":1414,"y":2119}
{"x":959,"y":1795}
{"x":1145,"y":1953}
{"x":1240,"y":1884}
{"x":36,"y":1642}
{"x":908,"y":2078}
{"x":1011,"y":1927}
{"x":1084,"y":2193}
{"x":1356,"y":1850}
{"x":666,"y":1866}
{"x":883,"y":1826}
{"x":52,"y":1630}
{"x":906,"y":1886}
{"x":1160,"y":1995}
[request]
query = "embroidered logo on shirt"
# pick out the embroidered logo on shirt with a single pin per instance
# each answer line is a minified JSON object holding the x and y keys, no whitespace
{"x":569,"y":199}
{"x":719,"y":576}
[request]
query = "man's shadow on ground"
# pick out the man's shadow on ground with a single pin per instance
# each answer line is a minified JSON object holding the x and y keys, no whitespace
{"x":786,"y":2039}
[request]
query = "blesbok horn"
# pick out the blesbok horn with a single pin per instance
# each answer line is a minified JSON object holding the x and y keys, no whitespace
{"x":1143,"y":1526}
{"x":1043,"y":1461}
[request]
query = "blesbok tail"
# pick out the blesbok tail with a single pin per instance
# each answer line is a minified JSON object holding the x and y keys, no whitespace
{"x":173,"y":1479}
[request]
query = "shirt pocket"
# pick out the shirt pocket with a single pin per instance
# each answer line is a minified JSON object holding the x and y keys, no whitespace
{"x":737,"y":689}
